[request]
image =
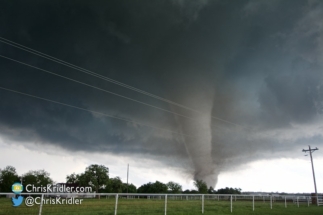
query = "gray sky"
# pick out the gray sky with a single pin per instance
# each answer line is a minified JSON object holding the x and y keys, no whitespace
{"x":251,"y":69}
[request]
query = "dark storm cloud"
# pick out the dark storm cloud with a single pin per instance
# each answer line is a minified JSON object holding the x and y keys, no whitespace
{"x":291,"y":98}
{"x":257,"y":64}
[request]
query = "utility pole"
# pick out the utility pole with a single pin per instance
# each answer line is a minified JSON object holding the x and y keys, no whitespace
{"x":127,"y":177}
{"x":311,"y":151}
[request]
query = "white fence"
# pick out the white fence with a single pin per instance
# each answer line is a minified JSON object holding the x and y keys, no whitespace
{"x":320,"y":202}
{"x":156,"y":203}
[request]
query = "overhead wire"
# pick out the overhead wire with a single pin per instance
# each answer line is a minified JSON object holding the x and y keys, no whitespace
{"x":97,"y":88}
{"x":95,"y":112}
{"x":93,"y":87}
{"x":35,"y":52}
{"x":214,"y":133}
{"x":49,"y":57}
{"x":100,"y":113}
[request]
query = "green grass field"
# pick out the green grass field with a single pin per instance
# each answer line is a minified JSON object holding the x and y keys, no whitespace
{"x":156,"y":207}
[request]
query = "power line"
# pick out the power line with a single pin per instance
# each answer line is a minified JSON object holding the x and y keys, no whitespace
{"x":96,"y":112}
{"x":106,"y":79}
{"x":88,"y":85}
{"x":49,"y":57}
{"x":106,"y":91}
{"x":107,"y":115}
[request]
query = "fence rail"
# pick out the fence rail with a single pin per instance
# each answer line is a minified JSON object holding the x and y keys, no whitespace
{"x":135,"y":203}
{"x":320,"y":202}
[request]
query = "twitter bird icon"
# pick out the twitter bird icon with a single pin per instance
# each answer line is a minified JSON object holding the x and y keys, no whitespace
{"x":17,"y":201}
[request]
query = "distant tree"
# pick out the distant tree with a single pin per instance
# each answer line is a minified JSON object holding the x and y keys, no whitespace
{"x":228,"y":190}
{"x":186,"y":191}
{"x":8,"y":176}
{"x":114,"y":185}
{"x":201,"y":186}
{"x":156,"y":187}
{"x":191,"y":191}
{"x":72,"y":179}
{"x":83,"y":180}
{"x":37,"y":178}
{"x":96,"y":176}
{"x":211,"y":190}
{"x":160,"y":187}
{"x":174,"y":187}
{"x":131,"y":188}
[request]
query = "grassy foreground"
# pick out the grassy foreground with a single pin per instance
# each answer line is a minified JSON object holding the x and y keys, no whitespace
{"x":157,"y":207}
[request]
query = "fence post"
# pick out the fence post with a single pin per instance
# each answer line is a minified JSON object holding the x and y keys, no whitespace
{"x":297,"y":202}
{"x":285,"y":203}
{"x":165,"y":204}
{"x":308,"y":201}
{"x":202,"y":203}
{"x":116,"y":205}
{"x":41,"y":204}
{"x":231,"y":203}
{"x":271,"y":202}
{"x":253,"y":203}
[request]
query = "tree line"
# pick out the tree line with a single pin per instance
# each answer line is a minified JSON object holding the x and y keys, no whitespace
{"x":97,"y":177}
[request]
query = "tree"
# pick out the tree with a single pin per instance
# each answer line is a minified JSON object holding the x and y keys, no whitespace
{"x":211,"y":190}
{"x":201,"y":186}
{"x":186,"y":191}
{"x":174,"y":187}
{"x":228,"y":190}
{"x":191,"y":191}
{"x":72,"y":179}
{"x":156,"y":187}
{"x":114,"y":185}
{"x":96,"y":176}
{"x":8,"y":177}
{"x":131,"y":188}
{"x":37,"y":178}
